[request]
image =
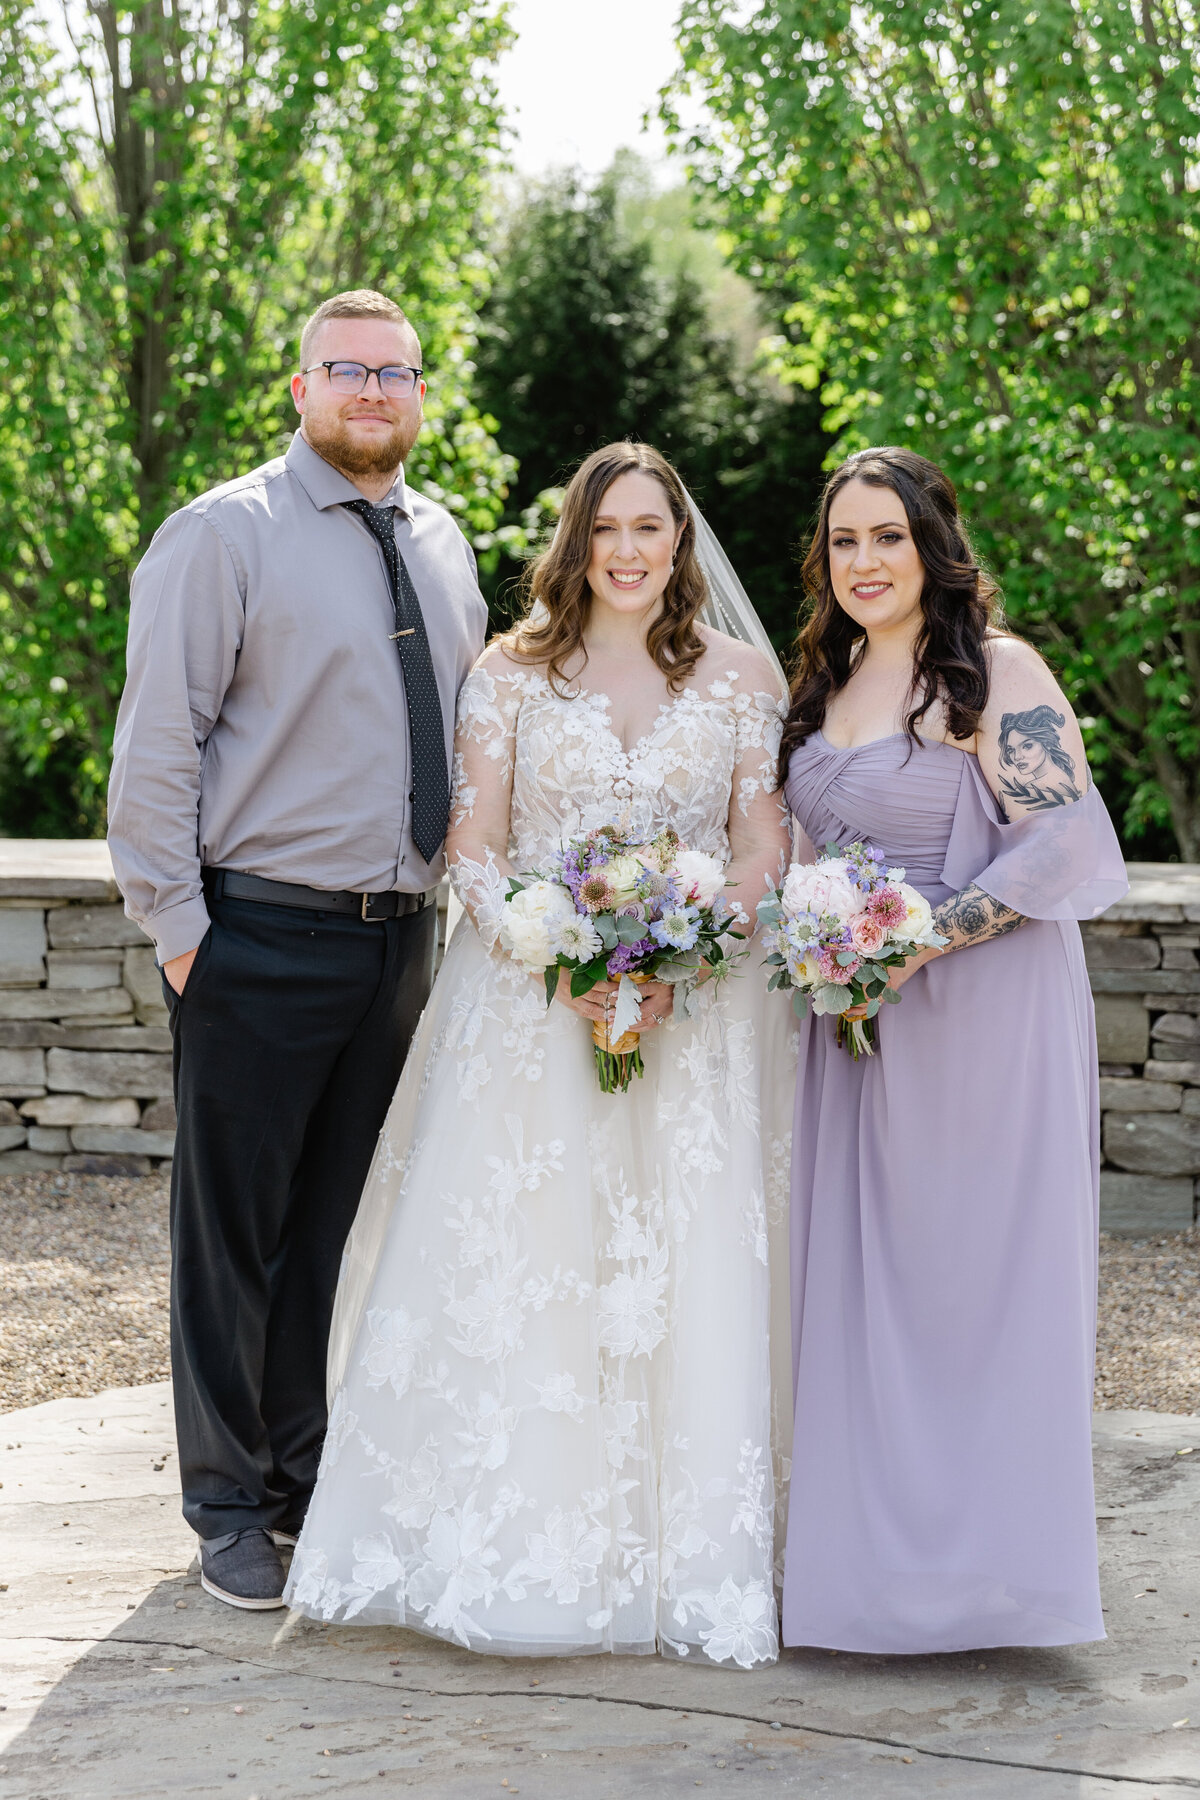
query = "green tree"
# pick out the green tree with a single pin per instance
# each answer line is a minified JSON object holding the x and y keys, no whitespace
{"x":179,"y":185}
{"x":591,"y":334}
{"x":980,"y":221}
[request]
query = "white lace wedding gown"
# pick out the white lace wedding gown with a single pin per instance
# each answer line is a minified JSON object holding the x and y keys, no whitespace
{"x":552,"y":1424}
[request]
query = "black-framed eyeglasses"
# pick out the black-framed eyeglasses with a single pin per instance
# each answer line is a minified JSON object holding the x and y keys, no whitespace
{"x":396,"y":381}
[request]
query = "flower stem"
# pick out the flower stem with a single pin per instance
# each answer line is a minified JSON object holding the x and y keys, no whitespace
{"x":615,"y":1071}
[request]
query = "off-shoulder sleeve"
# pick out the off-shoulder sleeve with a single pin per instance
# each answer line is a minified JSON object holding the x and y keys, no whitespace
{"x":1064,"y":863}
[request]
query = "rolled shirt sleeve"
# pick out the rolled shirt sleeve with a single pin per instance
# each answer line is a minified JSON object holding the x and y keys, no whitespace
{"x":187,"y":616}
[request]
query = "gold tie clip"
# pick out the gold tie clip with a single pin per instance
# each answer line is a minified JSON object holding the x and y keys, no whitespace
{"x":393,"y":635}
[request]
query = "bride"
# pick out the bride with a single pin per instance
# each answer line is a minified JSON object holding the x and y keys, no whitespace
{"x":552,"y":1427}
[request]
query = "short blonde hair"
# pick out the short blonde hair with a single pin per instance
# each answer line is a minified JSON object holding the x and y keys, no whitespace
{"x":355,"y":303}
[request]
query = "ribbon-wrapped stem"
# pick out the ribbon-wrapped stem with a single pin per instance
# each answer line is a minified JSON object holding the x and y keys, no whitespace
{"x":618,"y":1048}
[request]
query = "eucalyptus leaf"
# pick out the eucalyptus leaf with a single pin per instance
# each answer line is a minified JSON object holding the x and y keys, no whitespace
{"x":833,"y":1001}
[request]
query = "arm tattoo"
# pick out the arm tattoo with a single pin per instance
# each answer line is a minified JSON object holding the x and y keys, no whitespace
{"x":1043,"y":773}
{"x":973,"y":917}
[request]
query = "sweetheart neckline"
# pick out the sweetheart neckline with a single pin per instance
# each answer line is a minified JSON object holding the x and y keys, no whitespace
{"x":923,"y":743}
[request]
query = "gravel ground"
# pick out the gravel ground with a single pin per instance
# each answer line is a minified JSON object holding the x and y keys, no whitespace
{"x":83,"y":1272}
{"x":1148,"y":1342}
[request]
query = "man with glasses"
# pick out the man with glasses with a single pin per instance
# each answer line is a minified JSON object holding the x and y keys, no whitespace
{"x":280,"y":795}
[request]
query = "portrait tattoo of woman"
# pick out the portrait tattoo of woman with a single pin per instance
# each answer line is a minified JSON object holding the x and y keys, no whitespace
{"x":1045,"y":774}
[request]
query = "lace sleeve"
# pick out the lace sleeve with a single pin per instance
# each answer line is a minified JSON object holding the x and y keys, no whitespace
{"x":759,"y":824}
{"x":759,"y":729}
{"x":489,"y":703}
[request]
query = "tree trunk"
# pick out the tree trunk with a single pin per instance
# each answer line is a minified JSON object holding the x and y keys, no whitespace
{"x":147,"y":116}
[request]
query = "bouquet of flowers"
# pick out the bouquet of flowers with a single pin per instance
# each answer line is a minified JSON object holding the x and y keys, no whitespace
{"x":610,"y":907}
{"x":834,"y":930}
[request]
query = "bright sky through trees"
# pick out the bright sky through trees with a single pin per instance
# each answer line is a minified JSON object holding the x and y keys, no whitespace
{"x":581,"y":77}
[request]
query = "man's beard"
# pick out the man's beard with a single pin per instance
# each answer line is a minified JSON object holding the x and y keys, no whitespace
{"x":356,"y":456}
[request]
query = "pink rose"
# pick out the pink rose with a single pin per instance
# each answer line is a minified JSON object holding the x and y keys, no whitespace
{"x":867,"y":934}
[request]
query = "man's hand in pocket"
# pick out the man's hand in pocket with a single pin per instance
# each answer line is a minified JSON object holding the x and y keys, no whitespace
{"x":178,"y":969}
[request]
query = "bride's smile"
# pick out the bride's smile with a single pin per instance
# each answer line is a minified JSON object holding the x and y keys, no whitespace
{"x":634,"y":539}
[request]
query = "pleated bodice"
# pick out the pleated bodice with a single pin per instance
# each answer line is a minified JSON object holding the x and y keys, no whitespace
{"x":899,"y":796}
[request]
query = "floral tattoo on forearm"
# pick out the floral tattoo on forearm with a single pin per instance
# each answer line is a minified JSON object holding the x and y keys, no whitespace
{"x":1043,"y":773}
{"x":972,"y":917}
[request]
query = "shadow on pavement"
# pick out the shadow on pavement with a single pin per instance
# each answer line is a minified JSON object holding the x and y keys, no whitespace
{"x":123,"y":1680}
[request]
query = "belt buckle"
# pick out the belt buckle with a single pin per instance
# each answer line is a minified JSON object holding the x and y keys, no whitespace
{"x":367,"y":916}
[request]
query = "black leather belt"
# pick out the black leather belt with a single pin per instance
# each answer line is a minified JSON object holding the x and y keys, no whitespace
{"x":373,"y":908}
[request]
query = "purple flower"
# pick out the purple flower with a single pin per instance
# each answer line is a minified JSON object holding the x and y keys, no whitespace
{"x":627,"y":956}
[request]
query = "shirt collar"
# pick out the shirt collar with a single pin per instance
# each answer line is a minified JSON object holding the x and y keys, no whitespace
{"x":327,"y":486}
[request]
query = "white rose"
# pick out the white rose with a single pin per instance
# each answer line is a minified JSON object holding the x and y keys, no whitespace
{"x":523,"y":928}
{"x":699,"y":874}
{"x":823,"y":887}
{"x":918,"y":926}
{"x":622,"y":874}
{"x":803,"y":969}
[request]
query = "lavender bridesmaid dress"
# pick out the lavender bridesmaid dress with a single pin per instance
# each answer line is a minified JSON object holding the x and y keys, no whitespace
{"x":944,"y":1227}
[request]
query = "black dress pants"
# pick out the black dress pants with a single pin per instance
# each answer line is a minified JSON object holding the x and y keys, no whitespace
{"x":289,"y":1039}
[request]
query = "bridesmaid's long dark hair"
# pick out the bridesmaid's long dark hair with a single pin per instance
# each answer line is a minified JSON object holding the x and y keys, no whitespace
{"x":959,"y":603}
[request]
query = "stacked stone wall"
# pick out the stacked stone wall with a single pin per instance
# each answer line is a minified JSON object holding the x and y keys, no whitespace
{"x":85,"y":1045}
{"x":85,"y":1049}
{"x":1144,"y":965}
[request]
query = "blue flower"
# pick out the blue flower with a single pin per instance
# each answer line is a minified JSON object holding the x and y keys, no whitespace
{"x":677,"y":930}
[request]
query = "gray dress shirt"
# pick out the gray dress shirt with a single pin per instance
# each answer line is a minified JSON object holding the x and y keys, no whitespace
{"x":263,"y":725}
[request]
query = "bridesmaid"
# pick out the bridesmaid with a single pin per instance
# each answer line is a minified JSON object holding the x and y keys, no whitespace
{"x":944,"y":1192}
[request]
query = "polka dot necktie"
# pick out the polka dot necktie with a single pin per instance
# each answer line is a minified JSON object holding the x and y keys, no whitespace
{"x":430,"y":793}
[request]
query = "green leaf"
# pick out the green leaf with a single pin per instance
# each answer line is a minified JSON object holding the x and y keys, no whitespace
{"x":587,"y":975}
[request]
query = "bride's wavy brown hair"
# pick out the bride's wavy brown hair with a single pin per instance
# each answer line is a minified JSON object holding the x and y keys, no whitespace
{"x":959,"y":605}
{"x":558,"y":577}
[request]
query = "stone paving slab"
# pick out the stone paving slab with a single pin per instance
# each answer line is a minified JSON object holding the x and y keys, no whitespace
{"x":136,"y":1685}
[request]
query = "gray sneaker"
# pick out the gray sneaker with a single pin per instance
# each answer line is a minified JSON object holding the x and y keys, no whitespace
{"x":245,"y":1571}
